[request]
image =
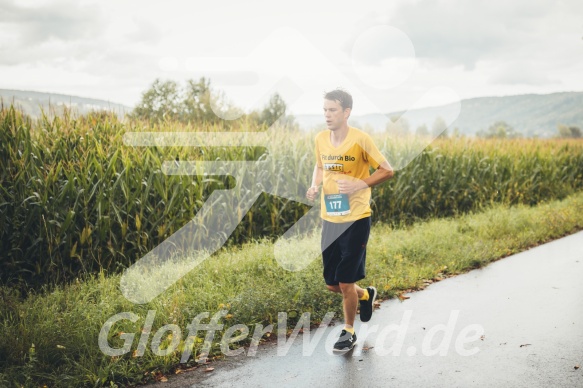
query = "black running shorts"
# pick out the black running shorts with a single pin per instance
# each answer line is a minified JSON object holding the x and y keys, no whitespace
{"x":344,"y":257}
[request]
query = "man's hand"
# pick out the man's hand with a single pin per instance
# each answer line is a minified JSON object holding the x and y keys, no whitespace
{"x":349,"y":187}
{"x":312,"y":193}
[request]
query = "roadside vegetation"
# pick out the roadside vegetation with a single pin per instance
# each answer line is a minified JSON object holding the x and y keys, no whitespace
{"x":76,"y":200}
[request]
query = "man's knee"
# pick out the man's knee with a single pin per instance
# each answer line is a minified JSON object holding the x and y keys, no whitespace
{"x":333,"y":288}
{"x":346,"y":287}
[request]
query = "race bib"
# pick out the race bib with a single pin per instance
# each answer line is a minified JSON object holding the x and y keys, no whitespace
{"x":337,"y":204}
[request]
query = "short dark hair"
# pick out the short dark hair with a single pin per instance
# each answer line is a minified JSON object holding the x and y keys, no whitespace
{"x":343,"y":97}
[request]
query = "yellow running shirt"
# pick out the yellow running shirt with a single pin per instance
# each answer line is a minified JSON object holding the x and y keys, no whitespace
{"x":351,"y":160}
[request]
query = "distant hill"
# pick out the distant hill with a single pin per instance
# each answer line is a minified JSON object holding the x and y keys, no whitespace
{"x":531,"y":114}
{"x":32,"y":102}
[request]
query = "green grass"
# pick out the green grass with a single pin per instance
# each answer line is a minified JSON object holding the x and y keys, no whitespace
{"x":64,"y":324}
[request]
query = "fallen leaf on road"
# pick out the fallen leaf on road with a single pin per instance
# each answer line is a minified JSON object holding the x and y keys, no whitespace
{"x":367,"y":348}
{"x":524,"y":345}
{"x":482,"y":337}
{"x":403,"y":297}
{"x":576,"y":367}
{"x":163,"y":379}
{"x":209,"y":369}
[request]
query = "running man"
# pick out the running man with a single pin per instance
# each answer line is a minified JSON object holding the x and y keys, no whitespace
{"x":344,"y":156}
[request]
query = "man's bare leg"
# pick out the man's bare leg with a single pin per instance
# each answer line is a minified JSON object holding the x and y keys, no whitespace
{"x":350,"y":295}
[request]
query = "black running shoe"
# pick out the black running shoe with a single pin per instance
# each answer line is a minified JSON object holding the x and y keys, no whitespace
{"x":345,"y":342}
{"x":367,"y":306}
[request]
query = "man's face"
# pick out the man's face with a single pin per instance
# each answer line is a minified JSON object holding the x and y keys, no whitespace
{"x":334,"y":115}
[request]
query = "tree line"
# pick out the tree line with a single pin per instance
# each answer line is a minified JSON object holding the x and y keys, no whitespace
{"x":197,"y":102}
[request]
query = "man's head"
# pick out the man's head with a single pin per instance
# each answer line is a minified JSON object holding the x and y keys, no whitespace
{"x":337,"y":108}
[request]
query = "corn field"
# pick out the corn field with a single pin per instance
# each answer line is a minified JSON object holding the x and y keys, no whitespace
{"x":75,"y":200}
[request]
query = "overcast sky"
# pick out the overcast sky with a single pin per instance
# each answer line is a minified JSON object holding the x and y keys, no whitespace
{"x":390,"y":57}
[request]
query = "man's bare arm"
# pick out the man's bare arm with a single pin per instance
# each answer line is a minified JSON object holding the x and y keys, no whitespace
{"x":384,"y":172}
{"x":317,"y":177}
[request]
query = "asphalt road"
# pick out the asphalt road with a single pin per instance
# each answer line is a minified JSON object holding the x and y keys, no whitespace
{"x":516,"y":323}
